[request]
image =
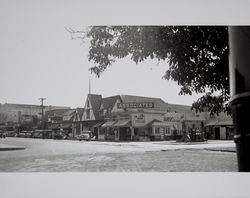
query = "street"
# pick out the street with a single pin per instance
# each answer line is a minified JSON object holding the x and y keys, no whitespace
{"x":47,"y":155}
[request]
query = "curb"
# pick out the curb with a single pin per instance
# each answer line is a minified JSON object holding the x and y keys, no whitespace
{"x":222,"y":150}
{"x":12,"y":149}
{"x":6,"y":147}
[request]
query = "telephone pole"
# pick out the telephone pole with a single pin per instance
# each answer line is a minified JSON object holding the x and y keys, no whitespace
{"x":89,"y":85}
{"x":42,"y":99}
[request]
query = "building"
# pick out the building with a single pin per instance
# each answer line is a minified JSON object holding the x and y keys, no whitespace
{"x":137,"y":118}
{"x":76,"y":125}
{"x":13,"y":112}
{"x":219,"y":127}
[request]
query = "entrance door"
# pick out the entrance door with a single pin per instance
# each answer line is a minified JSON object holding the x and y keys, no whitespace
{"x":122,"y":134}
{"x":217,"y":133}
{"x":125,"y":134}
{"x":96,"y":132}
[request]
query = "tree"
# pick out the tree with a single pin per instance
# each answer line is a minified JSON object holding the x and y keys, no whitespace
{"x":3,"y":118}
{"x":197,"y":56}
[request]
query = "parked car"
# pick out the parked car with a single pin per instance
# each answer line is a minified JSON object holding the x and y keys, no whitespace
{"x":21,"y":134}
{"x":11,"y":134}
{"x":37,"y":135}
{"x":60,"y":136}
{"x":28,"y":135}
{"x":86,"y":135}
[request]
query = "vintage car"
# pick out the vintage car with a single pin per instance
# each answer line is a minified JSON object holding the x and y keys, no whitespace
{"x":60,"y":136}
{"x":85,"y":135}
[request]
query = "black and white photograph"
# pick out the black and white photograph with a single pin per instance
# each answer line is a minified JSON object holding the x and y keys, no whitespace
{"x":86,"y":96}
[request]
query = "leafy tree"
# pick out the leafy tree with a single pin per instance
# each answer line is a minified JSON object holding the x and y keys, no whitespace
{"x":3,"y":118}
{"x":197,"y":56}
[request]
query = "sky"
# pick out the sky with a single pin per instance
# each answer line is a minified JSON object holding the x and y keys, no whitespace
{"x":39,"y":59}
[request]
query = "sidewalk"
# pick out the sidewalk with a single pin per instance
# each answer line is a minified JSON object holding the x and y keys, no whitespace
{"x":7,"y":147}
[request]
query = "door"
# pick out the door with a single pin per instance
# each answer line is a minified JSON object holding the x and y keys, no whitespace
{"x":217,"y":133}
{"x":125,"y":134}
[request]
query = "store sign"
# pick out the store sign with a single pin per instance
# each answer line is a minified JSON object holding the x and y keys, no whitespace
{"x":135,"y":105}
{"x":139,"y":118}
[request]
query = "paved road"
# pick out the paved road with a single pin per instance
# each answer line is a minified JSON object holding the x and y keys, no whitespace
{"x":74,"y":156}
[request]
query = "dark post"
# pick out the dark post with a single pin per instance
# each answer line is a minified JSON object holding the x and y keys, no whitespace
{"x":239,"y":44}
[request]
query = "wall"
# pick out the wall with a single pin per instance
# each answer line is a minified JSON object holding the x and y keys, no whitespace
{"x":223,"y":133}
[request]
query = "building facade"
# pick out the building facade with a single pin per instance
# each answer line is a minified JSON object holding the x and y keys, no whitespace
{"x":137,"y":118}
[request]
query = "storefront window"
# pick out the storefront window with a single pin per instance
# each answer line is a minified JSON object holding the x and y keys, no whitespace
{"x":101,"y":113}
{"x":88,"y":114}
{"x":167,"y":131}
{"x":157,"y":130}
{"x":162,"y":130}
{"x":143,"y":131}
{"x":102,"y":131}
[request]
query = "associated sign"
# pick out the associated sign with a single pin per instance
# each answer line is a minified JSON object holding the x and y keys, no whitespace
{"x":135,"y":105}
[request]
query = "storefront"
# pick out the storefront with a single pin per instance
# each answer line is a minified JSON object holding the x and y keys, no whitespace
{"x":107,"y":132}
{"x":219,"y":130}
{"x":162,"y":131}
{"x":137,"y":118}
{"x":134,"y":126}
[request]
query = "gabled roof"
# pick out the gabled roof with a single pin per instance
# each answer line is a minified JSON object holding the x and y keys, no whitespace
{"x":109,"y":102}
{"x":220,"y":123}
{"x":69,"y":112}
{"x":95,"y":101}
{"x":80,"y":111}
{"x":179,"y":108}
{"x":159,"y":104}
{"x":188,"y":117}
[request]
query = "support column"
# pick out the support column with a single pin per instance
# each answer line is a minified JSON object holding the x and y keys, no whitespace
{"x":132,"y":133}
{"x":239,"y":67}
{"x":80,"y":128}
{"x":118,"y":131}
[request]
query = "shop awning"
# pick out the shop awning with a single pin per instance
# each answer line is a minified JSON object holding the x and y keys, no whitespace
{"x":122,"y":123}
{"x":108,"y":124}
{"x":98,"y":124}
{"x":220,"y":123}
{"x":55,"y":126}
{"x":66,"y":125}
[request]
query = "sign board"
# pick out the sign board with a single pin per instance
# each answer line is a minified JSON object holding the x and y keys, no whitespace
{"x":139,"y":118}
{"x":135,"y":105}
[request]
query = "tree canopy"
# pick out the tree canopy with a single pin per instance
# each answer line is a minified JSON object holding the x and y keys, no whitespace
{"x":197,"y":56}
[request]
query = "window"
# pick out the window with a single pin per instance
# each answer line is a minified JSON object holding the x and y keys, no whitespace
{"x":162,"y":130}
{"x":167,"y":131}
{"x":101,"y":113}
{"x":157,"y":130}
{"x":88,"y":114}
{"x":88,"y":104}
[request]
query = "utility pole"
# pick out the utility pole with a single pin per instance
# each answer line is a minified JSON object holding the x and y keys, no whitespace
{"x":89,"y":86}
{"x":42,"y":99}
